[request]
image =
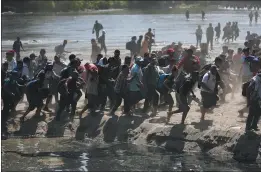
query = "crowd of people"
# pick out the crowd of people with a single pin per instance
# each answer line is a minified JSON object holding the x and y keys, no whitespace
{"x":152,"y":77}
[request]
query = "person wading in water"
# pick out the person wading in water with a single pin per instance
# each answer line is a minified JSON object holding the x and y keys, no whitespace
{"x":199,"y":34}
{"x":210,"y":35}
{"x":151,"y":40}
{"x":187,"y":14}
{"x":16,"y":47}
{"x":97,"y":27}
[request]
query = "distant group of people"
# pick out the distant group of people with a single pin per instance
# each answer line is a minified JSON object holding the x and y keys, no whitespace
{"x":203,"y":14}
{"x":141,"y":46}
{"x":231,"y":32}
{"x":251,"y":15}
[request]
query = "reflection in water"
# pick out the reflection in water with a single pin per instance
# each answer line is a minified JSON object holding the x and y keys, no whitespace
{"x":70,"y":156}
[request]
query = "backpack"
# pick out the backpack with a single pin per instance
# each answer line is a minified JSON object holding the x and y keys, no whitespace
{"x":186,"y":86}
{"x":161,"y":80}
{"x":204,"y":70}
{"x":252,"y":62}
{"x":244,"y":88}
{"x":128,"y":45}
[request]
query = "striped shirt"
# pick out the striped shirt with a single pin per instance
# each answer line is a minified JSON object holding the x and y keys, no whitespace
{"x":120,"y":83}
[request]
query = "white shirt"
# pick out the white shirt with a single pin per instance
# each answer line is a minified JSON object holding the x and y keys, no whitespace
{"x":11,"y":64}
{"x":25,"y":70}
{"x":210,"y":80}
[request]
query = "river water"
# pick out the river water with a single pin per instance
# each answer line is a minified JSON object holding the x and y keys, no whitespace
{"x":61,"y":154}
{"x":38,"y":31}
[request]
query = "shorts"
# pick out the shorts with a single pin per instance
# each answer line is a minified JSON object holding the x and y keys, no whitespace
{"x":208,"y":99}
{"x":182,"y":100}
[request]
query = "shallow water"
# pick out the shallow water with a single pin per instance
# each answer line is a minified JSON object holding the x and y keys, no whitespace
{"x":69,"y":155}
{"x":49,"y":31}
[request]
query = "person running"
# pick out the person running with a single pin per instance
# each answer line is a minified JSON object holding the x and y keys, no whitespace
{"x":208,"y":90}
{"x":210,"y":35}
{"x":250,"y":17}
{"x":101,"y":40}
{"x":189,"y":62}
{"x":97,"y":27}
{"x":35,"y":95}
{"x":203,"y":15}
{"x":151,"y":40}
{"x":91,"y":91}
{"x":236,"y":31}
{"x":225,"y":30}
{"x":139,"y":42}
{"x":256,"y":16}
{"x":60,"y":49}
{"x":236,"y":60}
{"x":187,"y":14}
{"x":254,"y":102}
{"x":50,"y":76}
{"x":168,"y":86}
{"x":150,"y":80}
{"x":132,"y":46}
{"x":121,"y":91}
{"x":199,"y":34}
{"x":145,"y":46}
{"x":136,"y":85}
{"x":10,"y":95}
{"x":16,"y":47}
{"x":68,"y":89}
{"x":58,"y":66}
{"x":95,"y":50}
{"x":183,"y":91}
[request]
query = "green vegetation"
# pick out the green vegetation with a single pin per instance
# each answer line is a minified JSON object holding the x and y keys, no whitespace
{"x":21,"y":6}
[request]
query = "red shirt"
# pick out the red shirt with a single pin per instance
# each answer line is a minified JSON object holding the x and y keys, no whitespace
{"x":91,"y":67}
{"x":186,"y":63}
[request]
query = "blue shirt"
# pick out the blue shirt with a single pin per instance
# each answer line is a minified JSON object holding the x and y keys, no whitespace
{"x":246,"y":65}
{"x":135,"y":71}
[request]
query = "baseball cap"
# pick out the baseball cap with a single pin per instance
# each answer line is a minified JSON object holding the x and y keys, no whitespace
{"x":170,"y":50}
{"x":10,"y":52}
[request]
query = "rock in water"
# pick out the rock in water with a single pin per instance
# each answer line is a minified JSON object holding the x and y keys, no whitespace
{"x":247,"y":146}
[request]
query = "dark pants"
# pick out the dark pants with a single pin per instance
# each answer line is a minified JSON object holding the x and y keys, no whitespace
{"x":134,"y":97}
{"x":8,"y":106}
{"x":253,"y":116}
{"x":103,"y":47}
{"x":152,"y":96}
{"x":210,"y":41}
{"x":199,"y":38}
{"x":97,"y":32}
{"x":92,"y":102}
{"x":110,"y":93}
{"x":65,"y":101}
{"x":118,"y":100}
{"x":102,"y":95}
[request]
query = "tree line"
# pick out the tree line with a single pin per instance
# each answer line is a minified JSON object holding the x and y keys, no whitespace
{"x":77,"y":5}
